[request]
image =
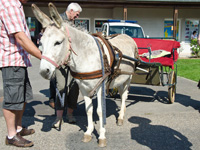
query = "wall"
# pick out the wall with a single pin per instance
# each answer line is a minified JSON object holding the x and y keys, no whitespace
{"x":93,"y":14}
{"x":87,"y":13}
{"x":151,"y":19}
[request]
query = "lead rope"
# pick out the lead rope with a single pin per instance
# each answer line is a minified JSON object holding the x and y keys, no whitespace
{"x":103,"y":102}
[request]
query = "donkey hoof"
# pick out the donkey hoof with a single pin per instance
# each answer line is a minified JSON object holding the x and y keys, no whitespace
{"x":120,"y":122}
{"x":87,"y":138}
{"x":102,"y":142}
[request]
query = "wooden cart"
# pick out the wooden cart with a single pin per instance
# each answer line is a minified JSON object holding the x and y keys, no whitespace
{"x":159,"y":71}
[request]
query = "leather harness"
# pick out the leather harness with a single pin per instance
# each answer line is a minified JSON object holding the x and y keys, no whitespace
{"x":107,"y":66}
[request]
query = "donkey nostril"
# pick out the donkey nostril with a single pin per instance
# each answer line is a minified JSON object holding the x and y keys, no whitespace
{"x":47,"y":70}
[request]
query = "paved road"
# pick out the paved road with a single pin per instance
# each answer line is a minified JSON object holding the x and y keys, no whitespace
{"x":150,"y":122}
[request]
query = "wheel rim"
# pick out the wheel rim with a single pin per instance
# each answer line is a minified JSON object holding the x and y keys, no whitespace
{"x":172,"y":89}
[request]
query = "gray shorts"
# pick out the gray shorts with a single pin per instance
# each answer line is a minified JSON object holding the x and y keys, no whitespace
{"x":17,"y":87}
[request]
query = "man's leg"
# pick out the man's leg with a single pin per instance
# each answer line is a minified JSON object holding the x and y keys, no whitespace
{"x":60,"y":84}
{"x":19,"y":115}
{"x":72,"y":99}
{"x":13,"y":138}
{"x":13,"y":104}
{"x":23,"y":131}
{"x":10,"y":118}
{"x":52,"y":90}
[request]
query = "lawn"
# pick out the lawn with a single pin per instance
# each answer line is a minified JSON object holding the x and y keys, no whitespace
{"x":189,"y":68}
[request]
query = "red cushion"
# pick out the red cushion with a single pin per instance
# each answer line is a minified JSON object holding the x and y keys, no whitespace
{"x":158,"y":44}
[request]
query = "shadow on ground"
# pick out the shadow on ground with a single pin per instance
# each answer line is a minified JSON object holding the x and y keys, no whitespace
{"x":157,"y":137}
{"x":136,"y":95}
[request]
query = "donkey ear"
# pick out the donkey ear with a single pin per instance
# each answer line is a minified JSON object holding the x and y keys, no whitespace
{"x":55,"y":15}
{"x":41,"y":17}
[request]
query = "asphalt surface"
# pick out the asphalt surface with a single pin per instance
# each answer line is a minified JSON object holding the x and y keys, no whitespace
{"x":150,"y":121}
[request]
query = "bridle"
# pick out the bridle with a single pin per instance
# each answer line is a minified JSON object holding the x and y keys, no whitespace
{"x":67,"y":56}
{"x":50,"y":60}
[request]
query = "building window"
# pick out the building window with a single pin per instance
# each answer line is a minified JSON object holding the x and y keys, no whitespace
{"x":190,"y":26}
{"x":98,"y":24}
{"x":83,"y":23}
{"x":168,"y":29}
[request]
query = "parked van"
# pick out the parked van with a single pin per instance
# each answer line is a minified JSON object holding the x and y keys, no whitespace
{"x":128,"y":27}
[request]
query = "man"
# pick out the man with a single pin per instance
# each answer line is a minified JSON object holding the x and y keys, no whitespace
{"x":72,"y":12}
{"x":64,"y":79}
{"x":194,"y":35}
{"x":15,"y":49}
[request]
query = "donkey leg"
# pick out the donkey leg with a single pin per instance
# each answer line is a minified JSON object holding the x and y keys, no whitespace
{"x":89,"y":110}
{"x":102,"y":130}
{"x":123,"y":91}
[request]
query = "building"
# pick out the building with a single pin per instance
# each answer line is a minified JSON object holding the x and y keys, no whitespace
{"x":159,"y":18}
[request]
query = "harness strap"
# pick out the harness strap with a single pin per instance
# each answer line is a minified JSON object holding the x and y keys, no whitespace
{"x":102,"y":80}
{"x":97,"y":85}
{"x":85,"y":76}
{"x":116,"y":71}
{"x":97,"y":73}
{"x":108,"y":45}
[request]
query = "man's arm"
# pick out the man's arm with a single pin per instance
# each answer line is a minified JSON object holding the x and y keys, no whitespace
{"x":27,"y":44}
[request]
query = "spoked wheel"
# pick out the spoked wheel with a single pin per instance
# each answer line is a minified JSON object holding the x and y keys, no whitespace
{"x":172,"y":86}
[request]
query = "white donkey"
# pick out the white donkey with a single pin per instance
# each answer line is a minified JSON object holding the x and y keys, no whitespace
{"x":62,"y":43}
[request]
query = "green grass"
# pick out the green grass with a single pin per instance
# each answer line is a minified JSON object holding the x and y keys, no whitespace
{"x":189,"y":68}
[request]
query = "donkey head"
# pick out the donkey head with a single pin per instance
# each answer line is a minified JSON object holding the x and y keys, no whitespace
{"x":54,"y":42}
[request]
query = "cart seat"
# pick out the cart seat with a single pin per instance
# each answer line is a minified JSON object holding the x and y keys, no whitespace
{"x":158,"y":44}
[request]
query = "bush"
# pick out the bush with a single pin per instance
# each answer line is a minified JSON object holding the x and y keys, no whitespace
{"x":195,"y":48}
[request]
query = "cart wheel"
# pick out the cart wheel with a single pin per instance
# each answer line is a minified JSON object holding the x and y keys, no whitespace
{"x":113,"y":92}
{"x":172,"y":89}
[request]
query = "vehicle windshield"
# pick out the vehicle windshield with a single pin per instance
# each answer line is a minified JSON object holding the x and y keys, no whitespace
{"x":134,"y":32}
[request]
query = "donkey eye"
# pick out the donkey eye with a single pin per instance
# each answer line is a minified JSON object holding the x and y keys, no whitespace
{"x":57,"y":43}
